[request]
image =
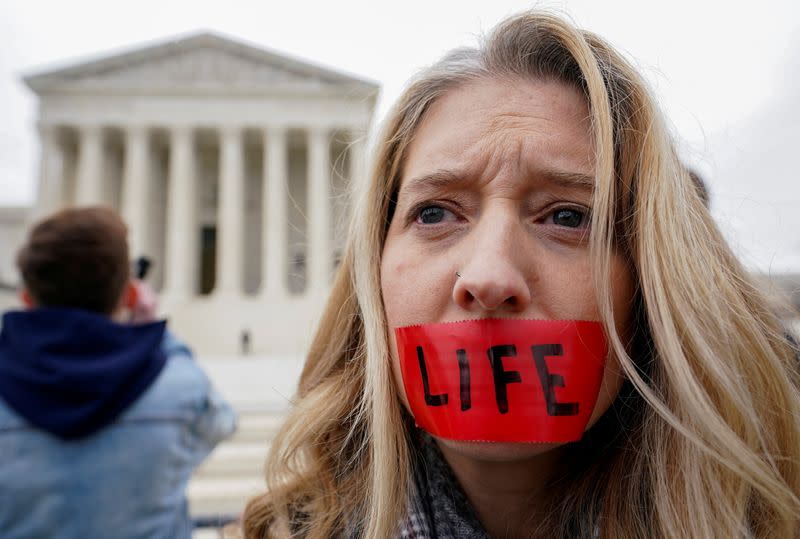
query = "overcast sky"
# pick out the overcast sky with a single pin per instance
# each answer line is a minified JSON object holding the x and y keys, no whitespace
{"x":728,"y":75}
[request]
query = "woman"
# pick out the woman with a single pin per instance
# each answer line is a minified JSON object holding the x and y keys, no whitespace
{"x":533,"y":178}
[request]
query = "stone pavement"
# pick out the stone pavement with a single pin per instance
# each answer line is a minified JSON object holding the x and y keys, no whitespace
{"x":257,"y":382}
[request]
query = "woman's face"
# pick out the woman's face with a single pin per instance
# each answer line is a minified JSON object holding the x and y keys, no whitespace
{"x":497,"y":188}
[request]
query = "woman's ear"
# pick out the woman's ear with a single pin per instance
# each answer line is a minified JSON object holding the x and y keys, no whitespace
{"x":26,"y":299}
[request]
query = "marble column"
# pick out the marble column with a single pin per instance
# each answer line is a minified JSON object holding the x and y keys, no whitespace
{"x":136,"y":188}
{"x":90,"y":166}
{"x":274,"y":214}
{"x":231,"y":212}
{"x":319,"y":213}
{"x":51,"y":173}
{"x":181,"y":234}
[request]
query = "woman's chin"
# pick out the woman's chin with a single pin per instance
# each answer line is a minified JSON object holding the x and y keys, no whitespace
{"x":496,"y":451}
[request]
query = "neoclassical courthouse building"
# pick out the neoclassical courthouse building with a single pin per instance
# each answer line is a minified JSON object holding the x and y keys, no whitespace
{"x":231,"y":165}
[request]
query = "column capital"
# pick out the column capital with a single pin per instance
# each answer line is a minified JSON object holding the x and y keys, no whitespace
{"x":319,"y":130}
{"x":231,"y":131}
{"x":231,"y":126}
{"x":180,"y":130}
{"x":275,"y":129}
{"x":89,"y":128}
{"x":136,"y":128}
{"x":46,"y":129}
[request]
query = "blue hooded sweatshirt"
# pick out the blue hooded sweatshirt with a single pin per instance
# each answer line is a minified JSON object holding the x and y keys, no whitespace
{"x":72,"y":372}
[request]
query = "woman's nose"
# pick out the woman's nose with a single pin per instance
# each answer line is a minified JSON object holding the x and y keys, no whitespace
{"x":495,"y":274}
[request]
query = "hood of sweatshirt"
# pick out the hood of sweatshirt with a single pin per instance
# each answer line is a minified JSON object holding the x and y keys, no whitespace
{"x":72,"y":372}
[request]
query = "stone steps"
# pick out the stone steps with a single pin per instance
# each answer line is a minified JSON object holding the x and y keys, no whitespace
{"x":256,"y":426}
{"x":233,"y":460}
{"x":260,"y":390}
{"x":233,"y":473}
{"x":222,"y":495}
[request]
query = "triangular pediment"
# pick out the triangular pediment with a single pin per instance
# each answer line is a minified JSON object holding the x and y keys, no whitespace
{"x":202,"y":63}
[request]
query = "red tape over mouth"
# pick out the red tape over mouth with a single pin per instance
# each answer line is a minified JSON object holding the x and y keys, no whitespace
{"x":503,"y":380}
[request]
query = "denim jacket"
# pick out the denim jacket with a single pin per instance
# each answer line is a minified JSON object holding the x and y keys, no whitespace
{"x":124,"y":480}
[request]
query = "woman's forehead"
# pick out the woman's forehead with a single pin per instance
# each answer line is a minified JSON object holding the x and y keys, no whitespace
{"x":501,"y":126}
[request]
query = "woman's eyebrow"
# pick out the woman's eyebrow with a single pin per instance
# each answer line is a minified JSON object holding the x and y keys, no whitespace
{"x":436,"y":181}
{"x":569,"y":180}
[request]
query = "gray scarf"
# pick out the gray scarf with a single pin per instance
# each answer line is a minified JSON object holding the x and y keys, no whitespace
{"x":438,"y":507}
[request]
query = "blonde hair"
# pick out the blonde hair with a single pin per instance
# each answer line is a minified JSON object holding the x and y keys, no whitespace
{"x":704,"y":439}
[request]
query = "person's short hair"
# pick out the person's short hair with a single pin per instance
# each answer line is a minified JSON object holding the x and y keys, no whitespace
{"x":77,"y":258}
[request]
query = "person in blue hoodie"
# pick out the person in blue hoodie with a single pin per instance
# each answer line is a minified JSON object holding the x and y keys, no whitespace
{"x":104,"y":414}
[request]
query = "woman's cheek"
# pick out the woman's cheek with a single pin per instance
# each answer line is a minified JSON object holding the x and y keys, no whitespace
{"x":394,"y":271}
{"x":415,"y":291}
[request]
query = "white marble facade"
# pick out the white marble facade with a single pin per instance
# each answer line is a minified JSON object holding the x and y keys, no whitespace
{"x":230,"y":165}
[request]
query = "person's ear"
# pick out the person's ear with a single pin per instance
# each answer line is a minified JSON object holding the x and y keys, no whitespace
{"x":131,"y":297}
{"x":26,"y":299}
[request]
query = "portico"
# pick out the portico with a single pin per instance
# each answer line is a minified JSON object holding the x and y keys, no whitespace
{"x":230,"y":165}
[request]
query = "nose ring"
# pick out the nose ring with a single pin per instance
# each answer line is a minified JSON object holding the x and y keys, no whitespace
{"x":458,"y":275}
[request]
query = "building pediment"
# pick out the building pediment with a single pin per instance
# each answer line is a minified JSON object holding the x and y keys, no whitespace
{"x":199,"y":64}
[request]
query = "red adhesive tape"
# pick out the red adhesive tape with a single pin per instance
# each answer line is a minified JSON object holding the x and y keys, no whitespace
{"x":503,"y":380}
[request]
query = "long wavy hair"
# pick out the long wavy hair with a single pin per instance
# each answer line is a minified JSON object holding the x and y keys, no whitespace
{"x":704,"y":438}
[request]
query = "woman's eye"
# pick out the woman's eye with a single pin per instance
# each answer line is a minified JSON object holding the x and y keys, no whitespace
{"x":569,"y":217}
{"x":431,"y":215}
